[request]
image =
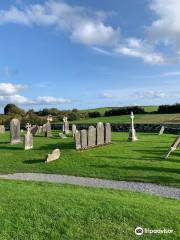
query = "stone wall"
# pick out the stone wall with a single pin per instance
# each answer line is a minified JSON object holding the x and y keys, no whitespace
{"x":116,"y":127}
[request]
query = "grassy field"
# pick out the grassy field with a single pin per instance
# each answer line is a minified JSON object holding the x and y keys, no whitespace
{"x":40,"y":211}
{"x":139,"y":118}
{"x":122,"y":160}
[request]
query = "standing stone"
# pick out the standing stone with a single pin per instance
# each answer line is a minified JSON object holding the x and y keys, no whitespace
{"x":15,"y":131}
{"x":173,"y":147}
{"x":34,"y":130}
{"x":83,"y":134}
{"x":77,"y":138}
{"x":73,"y":129}
{"x":100,"y":133}
{"x":132,"y":132}
{"x":161,"y":130}
{"x":28,"y":138}
{"x":91,"y":136}
{"x":107,"y":133}
{"x":44,"y":128}
{"x":48,"y":132}
{"x":2,"y":129}
{"x":65,"y":125}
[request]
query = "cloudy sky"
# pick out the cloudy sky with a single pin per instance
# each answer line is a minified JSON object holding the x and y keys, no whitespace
{"x":85,"y":54}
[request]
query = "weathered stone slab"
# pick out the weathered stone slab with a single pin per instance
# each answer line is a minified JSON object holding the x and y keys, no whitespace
{"x":53,"y":156}
{"x":44,"y":128}
{"x":161,"y":130}
{"x":83,"y":138}
{"x":48,"y":132}
{"x":28,"y":141}
{"x":77,"y":138}
{"x":107,"y":133}
{"x":174,"y":146}
{"x":65,"y":125}
{"x":15,"y":131}
{"x":100,"y":133}
{"x":91,"y":136}
{"x":62,"y":135}
{"x":2,"y":129}
{"x":73,"y":129}
{"x":34,"y":130}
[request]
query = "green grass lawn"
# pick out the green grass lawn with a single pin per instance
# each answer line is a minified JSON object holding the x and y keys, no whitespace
{"x":139,"y":118}
{"x":122,"y":160}
{"x":44,"y":211}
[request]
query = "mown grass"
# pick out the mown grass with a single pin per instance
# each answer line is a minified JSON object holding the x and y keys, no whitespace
{"x":139,"y":118}
{"x":122,"y":160}
{"x":40,"y":211}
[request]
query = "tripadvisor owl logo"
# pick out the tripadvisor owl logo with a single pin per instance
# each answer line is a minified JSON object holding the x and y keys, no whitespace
{"x":139,"y":231}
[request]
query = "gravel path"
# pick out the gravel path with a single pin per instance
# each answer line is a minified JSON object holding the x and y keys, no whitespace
{"x":150,"y":188}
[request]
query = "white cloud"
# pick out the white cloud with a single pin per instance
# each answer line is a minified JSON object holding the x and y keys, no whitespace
{"x":84,"y":25}
{"x":106,"y":95}
{"x":50,"y":100}
{"x":166,"y":27}
{"x":137,"y":48}
{"x":7,"y":89}
{"x":15,"y":99}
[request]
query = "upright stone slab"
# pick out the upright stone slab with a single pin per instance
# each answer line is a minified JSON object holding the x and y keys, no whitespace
{"x":34,"y":130}
{"x":65,"y":125}
{"x":161,"y":130}
{"x":15,"y":131}
{"x":48,"y":132}
{"x":132,"y":132}
{"x":91,"y":136}
{"x":77,"y":138}
{"x":100,"y":133}
{"x":73,"y":129}
{"x":28,"y":138}
{"x":44,"y":128}
{"x":83,"y":138}
{"x":2,"y":129}
{"x":107,"y":133}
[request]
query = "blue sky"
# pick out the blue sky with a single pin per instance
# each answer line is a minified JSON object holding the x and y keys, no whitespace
{"x":86,"y":54}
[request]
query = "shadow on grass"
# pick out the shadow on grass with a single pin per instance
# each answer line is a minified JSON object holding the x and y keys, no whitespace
{"x":34,"y":161}
{"x":59,"y":145}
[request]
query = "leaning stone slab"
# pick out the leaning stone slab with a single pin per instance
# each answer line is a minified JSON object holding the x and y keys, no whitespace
{"x":77,"y":138}
{"x":15,"y":131}
{"x":62,"y":135}
{"x":100,"y":133}
{"x":107,"y":133}
{"x":161,"y":130}
{"x":34,"y":130}
{"x":91,"y":136}
{"x":53,"y":156}
{"x":173,"y":147}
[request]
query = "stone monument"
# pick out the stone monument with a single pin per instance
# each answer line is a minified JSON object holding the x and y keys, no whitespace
{"x":91,"y":136}
{"x":132,"y":132}
{"x":65,"y":125}
{"x":100,"y":133}
{"x":77,"y":138}
{"x":84,"y":141}
{"x":48,"y":132}
{"x":107,"y":133}
{"x":28,"y":138}
{"x":15,"y":131}
{"x":73,"y":129}
{"x":2,"y":129}
{"x":161,"y":130}
{"x":53,"y":156}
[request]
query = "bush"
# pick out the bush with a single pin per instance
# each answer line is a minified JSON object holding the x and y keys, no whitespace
{"x":124,"y":111}
{"x":169,"y":108}
{"x":94,"y":114}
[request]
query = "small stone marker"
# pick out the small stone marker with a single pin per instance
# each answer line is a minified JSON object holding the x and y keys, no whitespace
{"x":83,"y":134}
{"x":107,"y":133}
{"x":28,"y":138}
{"x":132,"y":132}
{"x":174,"y":146}
{"x":44,"y":128}
{"x":65,"y":125}
{"x":91,"y":136}
{"x":15,"y":131}
{"x":77,"y":138}
{"x":2,"y":129}
{"x":53,"y":156}
{"x":62,"y":135}
{"x":100,"y":133}
{"x":73,"y":129}
{"x":161,"y":130}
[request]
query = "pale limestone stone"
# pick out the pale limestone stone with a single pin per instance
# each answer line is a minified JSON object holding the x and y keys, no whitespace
{"x":15,"y":131}
{"x":83,"y":138}
{"x":53,"y":156}
{"x":77,"y":138}
{"x":107,"y":133}
{"x":100,"y":133}
{"x":91,"y":136}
